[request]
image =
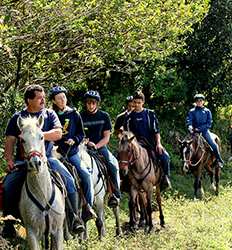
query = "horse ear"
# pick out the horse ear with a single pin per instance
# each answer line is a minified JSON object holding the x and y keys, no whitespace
{"x":190,"y":141}
{"x":40,"y":121}
{"x":179,"y":140}
{"x":20,"y":122}
{"x":120,"y":133}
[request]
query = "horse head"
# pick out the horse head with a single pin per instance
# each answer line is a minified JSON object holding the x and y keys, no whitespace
{"x":125,"y":153}
{"x":186,"y":153}
{"x":32,"y":141}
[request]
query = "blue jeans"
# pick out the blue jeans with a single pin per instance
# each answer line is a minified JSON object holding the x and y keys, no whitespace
{"x":213,"y":145}
{"x":12,"y":186}
{"x":165,"y":162}
{"x":85,"y":176}
{"x":113,"y":168}
{"x":66,"y":176}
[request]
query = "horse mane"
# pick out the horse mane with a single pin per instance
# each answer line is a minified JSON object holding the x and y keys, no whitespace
{"x":29,"y":122}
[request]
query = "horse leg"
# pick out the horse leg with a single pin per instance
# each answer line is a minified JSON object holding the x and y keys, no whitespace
{"x":132,"y":207}
{"x":149,"y":211}
{"x":100,"y":216}
{"x":159,"y":202}
{"x":117,"y":221}
{"x":32,"y":240}
{"x":142,"y":211}
{"x":57,"y":240}
{"x":217,"y":177}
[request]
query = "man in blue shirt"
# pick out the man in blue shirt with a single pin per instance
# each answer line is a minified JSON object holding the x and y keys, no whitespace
{"x":143,"y":123}
{"x":34,"y":98}
{"x":199,"y":119}
{"x":98,"y":127}
{"x":120,"y":119}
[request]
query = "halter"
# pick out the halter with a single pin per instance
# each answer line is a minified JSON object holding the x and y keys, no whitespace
{"x":34,"y":154}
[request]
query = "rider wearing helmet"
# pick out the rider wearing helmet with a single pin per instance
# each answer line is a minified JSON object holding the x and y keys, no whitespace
{"x":72,"y":135}
{"x":98,"y":127}
{"x":120,"y":119}
{"x":199,"y":120}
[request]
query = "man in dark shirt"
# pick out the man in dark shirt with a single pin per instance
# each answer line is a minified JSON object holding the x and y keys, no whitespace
{"x":98,"y":127}
{"x":143,"y":123}
{"x":120,"y":119}
{"x":34,"y":98}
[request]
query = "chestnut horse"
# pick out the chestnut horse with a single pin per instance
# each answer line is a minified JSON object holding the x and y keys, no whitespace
{"x":143,"y":174}
{"x":198,"y":156}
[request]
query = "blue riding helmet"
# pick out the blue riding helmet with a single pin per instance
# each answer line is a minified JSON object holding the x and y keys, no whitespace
{"x":129,"y":99}
{"x":57,"y":90}
{"x":199,"y":97}
{"x":93,"y":94}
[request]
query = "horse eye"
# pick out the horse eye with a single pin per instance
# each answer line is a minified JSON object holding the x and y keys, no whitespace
{"x":41,"y":138}
{"x":22,"y":140}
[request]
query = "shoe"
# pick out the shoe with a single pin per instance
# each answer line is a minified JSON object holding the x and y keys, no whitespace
{"x":88,"y":213}
{"x":113,"y":201}
{"x":8,"y":230}
{"x":220,"y":164}
{"x":165,"y":183}
{"x":78,"y":226}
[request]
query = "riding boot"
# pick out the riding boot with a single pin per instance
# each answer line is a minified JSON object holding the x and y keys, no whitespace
{"x":165,"y":181}
{"x":77,"y":224}
{"x":88,"y":213}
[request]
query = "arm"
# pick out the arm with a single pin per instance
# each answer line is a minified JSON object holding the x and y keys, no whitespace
{"x":9,"y":151}
{"x":53,"y":134}
{"x":159,"y":147}
{"x":105,"y":140}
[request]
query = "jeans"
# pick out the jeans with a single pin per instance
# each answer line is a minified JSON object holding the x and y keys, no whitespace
{"x":12,"y":186}
{"x":66,"y":176}
{"x":113,"y":168}
{"x":165,"y":162}
{"x":85,"y":176}
{"x":213,"y":145}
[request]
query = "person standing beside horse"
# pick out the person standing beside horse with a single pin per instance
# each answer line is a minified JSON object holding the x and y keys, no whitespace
{"x":72,"y":135}
{"x":34,"y":98}
{"x":143,"y":123}
{"x":199,"y":120}
{"x":98,"y":127}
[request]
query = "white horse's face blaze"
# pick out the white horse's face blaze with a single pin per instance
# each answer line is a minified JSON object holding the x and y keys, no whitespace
{"x":124,"y":152}
{"x":33,"y":142}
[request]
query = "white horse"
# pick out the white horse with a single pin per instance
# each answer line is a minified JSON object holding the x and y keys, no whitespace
{"x":42,"y":204}
{"x":100,"y":191}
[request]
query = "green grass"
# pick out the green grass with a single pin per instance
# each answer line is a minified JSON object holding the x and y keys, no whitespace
{"x":202,"y":224}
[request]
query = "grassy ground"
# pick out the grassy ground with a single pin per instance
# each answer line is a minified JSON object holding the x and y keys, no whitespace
{"x":205,"y":224}
{"x":202,"y":224}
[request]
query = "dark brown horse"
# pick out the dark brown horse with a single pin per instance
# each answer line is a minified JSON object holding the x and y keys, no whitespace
{"x":198,"y":156}
{"x":143,"y":174}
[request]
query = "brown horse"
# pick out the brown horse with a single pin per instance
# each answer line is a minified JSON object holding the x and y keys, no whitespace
{"x":143,"y":174}
{"x":198,"y":156}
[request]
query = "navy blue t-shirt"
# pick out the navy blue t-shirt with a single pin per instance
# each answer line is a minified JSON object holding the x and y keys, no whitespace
{"x":96,"y":124}
{"x":142,"y":124}
{"x":72,"y":129}
{"x":51,"y":121}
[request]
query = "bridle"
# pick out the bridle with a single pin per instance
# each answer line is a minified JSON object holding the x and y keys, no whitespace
{"x":199,"y":146}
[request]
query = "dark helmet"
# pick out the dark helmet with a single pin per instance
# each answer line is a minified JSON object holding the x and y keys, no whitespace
{"x":93,"y":94}
{"x":129,"y":99}
{"x":57,"y":90}
{"x":199,"y":97}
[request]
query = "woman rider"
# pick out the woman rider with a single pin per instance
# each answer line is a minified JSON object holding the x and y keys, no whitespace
{"x":72,"y":135}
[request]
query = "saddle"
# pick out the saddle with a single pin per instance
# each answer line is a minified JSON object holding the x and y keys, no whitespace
{"x":102,"y":167}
